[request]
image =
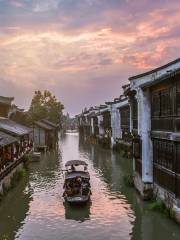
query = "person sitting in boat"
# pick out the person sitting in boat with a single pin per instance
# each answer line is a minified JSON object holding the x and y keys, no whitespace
{"x":68,"y":192}
{"x":68,"y":189}
{"x":77,"y":185}
{"x":85,"y":186}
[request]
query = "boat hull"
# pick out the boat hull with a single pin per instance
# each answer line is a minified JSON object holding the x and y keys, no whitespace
{"x":79,"y":200}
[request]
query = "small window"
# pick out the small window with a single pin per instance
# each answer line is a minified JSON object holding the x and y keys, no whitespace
{"x":164,"y":153}
{"x":135,"y":113}
{"x":178,"y":99}
{"x":178,"y":158}
{"x":137,"y":148}
{"x":156,"y":104}
{"x":166,"y":102}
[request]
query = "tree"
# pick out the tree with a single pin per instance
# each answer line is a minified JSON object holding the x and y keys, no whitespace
{"x":44,"y":105}
{"x":69,"y":123}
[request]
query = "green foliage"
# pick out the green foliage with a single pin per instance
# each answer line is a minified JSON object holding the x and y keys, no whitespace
{"x":17,"y":176}
{"x":27,"y":159}
{"x":4,"y":237}
{"x":44,"y":105}
{"x":159,"y":206}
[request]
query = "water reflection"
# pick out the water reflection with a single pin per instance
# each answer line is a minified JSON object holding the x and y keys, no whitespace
{"x":13,"y":209}
{"x":147,"y":225}
{"x":77,"y":213}
{"x":35,"y":209}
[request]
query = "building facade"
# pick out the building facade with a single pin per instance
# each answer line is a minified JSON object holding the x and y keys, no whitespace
{"x":147,"y":119}
{"x":44,"y":135}
{"x":155,"y":115}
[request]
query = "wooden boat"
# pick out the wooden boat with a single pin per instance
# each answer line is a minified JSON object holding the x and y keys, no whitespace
{"x":77,"y":189}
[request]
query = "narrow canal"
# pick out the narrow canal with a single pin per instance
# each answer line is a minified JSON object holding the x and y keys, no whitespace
{"x":35,"y":210}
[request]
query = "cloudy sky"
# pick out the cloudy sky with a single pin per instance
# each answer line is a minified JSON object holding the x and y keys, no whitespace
{"x":83,"y":50}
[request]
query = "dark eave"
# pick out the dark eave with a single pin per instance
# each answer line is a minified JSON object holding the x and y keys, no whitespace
{"x":13,"y":128}
{"x":6,"y":139}
{"x":109,"y":103}
{"x":126,"y":86}
{"x":165,"y":77}
{"x":6,"y":100}
{"x":154,"y":70}
{"x":49,"y":123}
{"x":103,"y":106}
{"x":43,"y":125}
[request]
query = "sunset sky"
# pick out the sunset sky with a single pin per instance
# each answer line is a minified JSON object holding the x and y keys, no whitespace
{"x":83,"y":50}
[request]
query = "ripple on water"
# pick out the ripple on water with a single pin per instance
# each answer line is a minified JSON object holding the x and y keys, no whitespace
{"x":109,"y":216}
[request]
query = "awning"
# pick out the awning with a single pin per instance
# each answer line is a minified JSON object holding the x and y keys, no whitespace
{"x":76,"y":163}
{"x":6,"y":139}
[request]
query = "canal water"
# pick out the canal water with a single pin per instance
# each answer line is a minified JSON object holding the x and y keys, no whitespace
{"x":35,"y":208}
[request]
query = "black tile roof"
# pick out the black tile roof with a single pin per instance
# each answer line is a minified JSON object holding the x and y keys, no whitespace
{"x":43,"y":125}
{"x":13,"y":128}
{"x":6,"y":139}
{"x":154,"y":70}
{"x":6,"y":100}
{"x":49,"y":123}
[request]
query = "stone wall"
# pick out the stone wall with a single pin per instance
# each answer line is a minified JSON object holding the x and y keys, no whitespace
{"x":5,"y":183}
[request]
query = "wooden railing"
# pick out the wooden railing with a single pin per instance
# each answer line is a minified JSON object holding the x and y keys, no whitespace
{"x":165,"y":178}
{"x":8,"y":168}
{"x":166,"y":165}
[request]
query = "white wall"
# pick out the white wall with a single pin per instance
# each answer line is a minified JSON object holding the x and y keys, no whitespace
{"x":101,"y":129}
{"x":144,"y":130}
{"x":39,"y":136}
{"x":116,"y":120}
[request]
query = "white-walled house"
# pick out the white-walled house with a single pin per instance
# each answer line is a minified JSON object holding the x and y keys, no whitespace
{"x":155,"y":119}
{"x":44,"y":135}
{"x":147,"y":118}
{"x":104,"y":121}
{"x":119,"y":110}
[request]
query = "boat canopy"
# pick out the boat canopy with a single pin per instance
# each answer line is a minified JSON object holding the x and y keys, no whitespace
{"x":75,"y":163}
{"x":71,"y":175}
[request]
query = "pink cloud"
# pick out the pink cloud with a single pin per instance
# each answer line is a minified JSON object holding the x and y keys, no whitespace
{"x":18,"y":4}
{"x":93,"y":53}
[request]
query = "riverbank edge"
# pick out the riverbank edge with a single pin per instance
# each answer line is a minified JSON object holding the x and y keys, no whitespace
{"x":8,"y":181}
{"x":149,"y":192}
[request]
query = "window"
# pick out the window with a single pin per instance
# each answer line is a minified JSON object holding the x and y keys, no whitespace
{"x":178,"y":158}
{"x":162,"y":103}
{"x":156,"y":104}
{"x":164,"y":153}
{"x":162,"y":109}
{"x":95,"y":121}
{"x":137,"y":148}
{"x":165,"y":102}
{"x":125,"y":117}
{"x":178,"y":99}
{"x":135,"y":113}
{"x":106,"y":120}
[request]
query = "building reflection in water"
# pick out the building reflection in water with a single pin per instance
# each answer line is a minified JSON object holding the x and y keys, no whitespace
{"x":34,"y":209}
{"x":147,"y":224}
{"x":10,"y":219}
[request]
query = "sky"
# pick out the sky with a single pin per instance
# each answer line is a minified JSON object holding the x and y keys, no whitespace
{"x":83,"y":51}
